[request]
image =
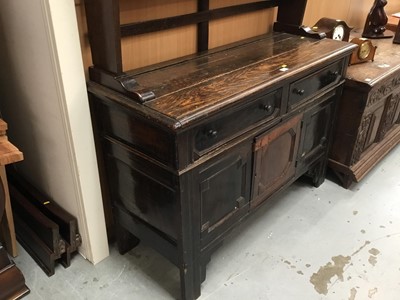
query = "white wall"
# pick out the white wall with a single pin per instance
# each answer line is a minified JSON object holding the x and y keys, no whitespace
{"x":44,"y":101}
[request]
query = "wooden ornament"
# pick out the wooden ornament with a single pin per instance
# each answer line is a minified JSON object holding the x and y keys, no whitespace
{"x":376,"y":21}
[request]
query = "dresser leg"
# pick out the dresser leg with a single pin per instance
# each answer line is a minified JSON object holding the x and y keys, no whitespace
{"x":203,"y":268}
{"x":345,"y":179}
{"x":126,"y":241}
{"x":190,"y":281}
{"x":318,"y":173}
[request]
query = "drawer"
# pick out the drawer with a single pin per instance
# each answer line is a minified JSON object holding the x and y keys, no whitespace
{"x":229,"y":125}
{"x":306,"y":87}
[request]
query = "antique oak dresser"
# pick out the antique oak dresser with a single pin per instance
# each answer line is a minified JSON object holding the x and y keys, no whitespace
{"x":189,"y":148}
{"x":368,"y":124}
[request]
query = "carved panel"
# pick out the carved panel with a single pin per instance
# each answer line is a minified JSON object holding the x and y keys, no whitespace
{"x":389,"y":116}
{"x":397,"y":112}
{"x":384,"y":90}
{"x":361,"y":138}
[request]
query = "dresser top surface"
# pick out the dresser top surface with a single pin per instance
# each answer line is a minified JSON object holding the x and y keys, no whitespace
{"x":202,"y":84}
{"x":385,"y":65}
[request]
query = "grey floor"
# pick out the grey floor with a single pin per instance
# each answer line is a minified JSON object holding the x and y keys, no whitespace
{"x":314,"y":243}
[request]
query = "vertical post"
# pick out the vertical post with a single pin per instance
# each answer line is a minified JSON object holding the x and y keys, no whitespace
{"x":103,"y":23}
{"x":2,"y":200}
{"x":396,"y":39}
{"x":291,"y":12}
{"x":189,"y":241}
{"x":203,"y":27}
{"x":7,"y":228}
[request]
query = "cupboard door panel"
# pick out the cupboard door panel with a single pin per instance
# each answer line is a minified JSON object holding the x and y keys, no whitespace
{"x":275,"y":158}
{"x":367,"y":132}
{"x":390,"y":116}
{"x":316,"y":128}
{"x":396,"y":119}
{"x":224,"y":191}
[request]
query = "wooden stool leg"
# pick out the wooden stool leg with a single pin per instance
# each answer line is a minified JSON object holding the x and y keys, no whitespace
{"x":7,"y":230}
{"x":2,"y":199}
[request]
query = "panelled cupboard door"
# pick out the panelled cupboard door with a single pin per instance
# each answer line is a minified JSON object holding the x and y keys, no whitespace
{"x":368,"y":130}
{"x":316,"y":129}
{"x":224,"y":191}
{"x":275,"y":155}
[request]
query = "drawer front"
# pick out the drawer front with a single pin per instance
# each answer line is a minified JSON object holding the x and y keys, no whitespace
{"x":230,"y":125}
{"x":304,"y":88}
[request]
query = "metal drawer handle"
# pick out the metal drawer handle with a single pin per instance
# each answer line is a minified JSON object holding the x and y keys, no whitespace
{"x":299,"y":92}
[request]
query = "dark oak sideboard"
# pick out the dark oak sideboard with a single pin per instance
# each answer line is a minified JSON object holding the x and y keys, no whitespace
{"x":223,"y":132}
{"x":368,"y":124}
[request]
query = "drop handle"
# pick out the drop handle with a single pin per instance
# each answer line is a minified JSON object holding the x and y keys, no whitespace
{"x":299,"y":92}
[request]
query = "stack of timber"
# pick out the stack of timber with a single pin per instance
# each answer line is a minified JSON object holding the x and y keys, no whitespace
{"x":45,"y":230}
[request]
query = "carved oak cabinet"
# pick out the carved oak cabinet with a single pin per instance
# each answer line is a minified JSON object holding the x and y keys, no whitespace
{"x":368,"y":124}
{"x":190,"y":148}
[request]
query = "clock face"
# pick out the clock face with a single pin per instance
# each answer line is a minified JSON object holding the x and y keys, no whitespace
{"x":338,"y":33}
{"x":364,"y":50}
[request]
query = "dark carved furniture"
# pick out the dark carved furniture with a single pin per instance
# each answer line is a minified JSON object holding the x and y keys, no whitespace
{"x":368,"y":125}
{"x":190,"y":148}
